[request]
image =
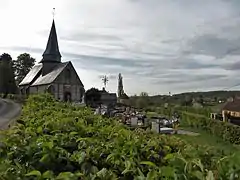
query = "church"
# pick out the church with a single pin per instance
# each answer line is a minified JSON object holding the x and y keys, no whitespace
{"x":53,"y":76}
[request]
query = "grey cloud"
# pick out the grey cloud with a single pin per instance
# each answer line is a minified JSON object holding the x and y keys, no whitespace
{"x":90,"y":60}
{"x":163,"y":69}
{"x":115,"y":44}
{"x":210,"y":44}
{"x":98,"y":60}
{"x":194,"y":64}
{"x":87,"y":36}
{"x":232,"y":66}
{"x":185,"y":79}
{"x":25,"y":49}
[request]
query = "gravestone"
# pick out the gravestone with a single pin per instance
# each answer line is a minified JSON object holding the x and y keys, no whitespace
{"x":134,"y":121}
{"x":155,"y":127}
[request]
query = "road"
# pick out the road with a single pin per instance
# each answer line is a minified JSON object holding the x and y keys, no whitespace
{"x":8,"y":111}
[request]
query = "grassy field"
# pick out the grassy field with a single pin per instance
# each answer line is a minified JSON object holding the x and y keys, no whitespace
{"x":217,"y":107}
{"x":207,"y":139}
{"x":204,"y":138}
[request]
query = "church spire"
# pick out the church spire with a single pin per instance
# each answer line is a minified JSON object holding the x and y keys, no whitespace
{"x":52,"y":54}
{"x":120,"y":85}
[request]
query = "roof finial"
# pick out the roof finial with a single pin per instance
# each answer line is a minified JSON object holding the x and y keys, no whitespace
{"x":53,"y":12}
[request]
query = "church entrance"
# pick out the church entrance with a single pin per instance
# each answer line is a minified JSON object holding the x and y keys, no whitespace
{"x":67,"y":96}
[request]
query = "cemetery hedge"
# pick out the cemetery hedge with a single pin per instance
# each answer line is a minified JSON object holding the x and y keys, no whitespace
{"x":224,"y":130}
{"x":227,"y":131}
{"x":54,"y":140}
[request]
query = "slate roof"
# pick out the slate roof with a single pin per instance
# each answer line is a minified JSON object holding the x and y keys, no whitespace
{"x":41,"y":80}
{"x":31,"y":75}
{"x":52,"y":53}
{"x":50,"y":77}
{"x":233,"y":105}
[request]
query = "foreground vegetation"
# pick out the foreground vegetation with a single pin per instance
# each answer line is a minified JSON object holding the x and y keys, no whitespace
{"x":53,"y":140}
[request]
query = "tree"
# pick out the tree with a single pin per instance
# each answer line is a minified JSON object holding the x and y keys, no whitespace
{"x":187,"y":101}
{"x":200,"y":99}
{"x":7,"y":80}
{"x":92,"y":96}
{"x":141,"y":102}
{"x":22,"y":66}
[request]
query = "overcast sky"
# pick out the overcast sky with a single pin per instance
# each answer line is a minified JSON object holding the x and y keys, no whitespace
{"x":157,"y":45}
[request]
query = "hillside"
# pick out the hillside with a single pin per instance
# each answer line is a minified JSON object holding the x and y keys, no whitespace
{"x":53,"y":140}
{"x":210,"y":98}
{"x":207,"y":95}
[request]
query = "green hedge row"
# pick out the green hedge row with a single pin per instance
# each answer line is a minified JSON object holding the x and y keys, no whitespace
{"x":202,"y":111}
{"x":228,"y":132}
{"x":170,"y":110}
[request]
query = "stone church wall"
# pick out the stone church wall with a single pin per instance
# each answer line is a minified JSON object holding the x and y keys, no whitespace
{"x":42,"y":89}
{"x":37,"y":89}
{"x":68,"y":82}
{"x":33,"y":90}
{"x":58,"y":91}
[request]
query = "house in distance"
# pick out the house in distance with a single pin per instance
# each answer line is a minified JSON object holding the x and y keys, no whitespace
{"x":53,"y":76}
{"x":231,"y":110}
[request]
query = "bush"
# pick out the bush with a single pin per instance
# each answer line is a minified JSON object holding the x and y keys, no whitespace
{"x":54,"y":140}
{"x":226,"y":131}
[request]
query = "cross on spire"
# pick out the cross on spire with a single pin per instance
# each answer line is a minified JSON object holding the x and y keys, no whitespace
{"x":53,"y":12}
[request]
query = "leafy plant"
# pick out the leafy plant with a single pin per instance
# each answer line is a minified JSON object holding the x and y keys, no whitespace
{"x":54,"y":140}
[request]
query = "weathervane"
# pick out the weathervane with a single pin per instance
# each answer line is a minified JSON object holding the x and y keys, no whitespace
{"x":53,"y":12}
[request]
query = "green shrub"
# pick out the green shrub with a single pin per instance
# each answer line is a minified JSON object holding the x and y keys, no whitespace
{"x":54,"y":140}
{"x":226,"y":131}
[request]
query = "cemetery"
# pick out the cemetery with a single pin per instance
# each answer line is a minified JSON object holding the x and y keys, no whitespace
{"x":135,"y":119}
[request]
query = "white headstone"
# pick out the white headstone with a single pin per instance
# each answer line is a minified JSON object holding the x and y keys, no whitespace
{"x":166,"y":130}
{"x":145,"y":122}
{"x":155,"y":127}
{"x":134,"y":121}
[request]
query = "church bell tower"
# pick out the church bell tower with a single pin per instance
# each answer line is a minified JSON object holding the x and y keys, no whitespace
{"x":51,"y":55}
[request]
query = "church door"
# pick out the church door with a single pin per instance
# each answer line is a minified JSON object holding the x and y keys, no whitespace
{"x":67,"y":97}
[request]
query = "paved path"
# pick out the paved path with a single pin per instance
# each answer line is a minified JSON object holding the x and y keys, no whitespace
{"x":8,"y":111}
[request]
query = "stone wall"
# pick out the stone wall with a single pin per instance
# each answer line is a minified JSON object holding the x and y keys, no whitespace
{"x":37,"y":89}
{"x":68,"y":81}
